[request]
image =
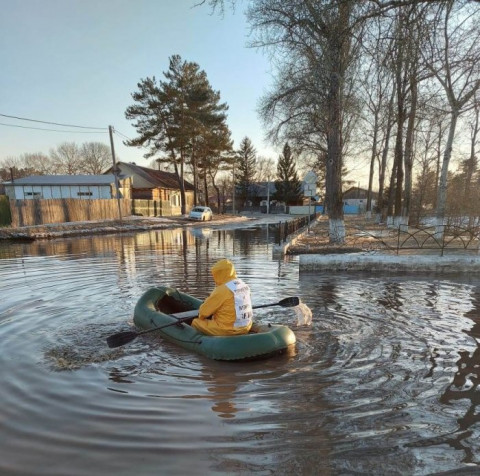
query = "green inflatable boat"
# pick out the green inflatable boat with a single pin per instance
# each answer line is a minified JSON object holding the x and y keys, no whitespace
{"x":155,"y":309}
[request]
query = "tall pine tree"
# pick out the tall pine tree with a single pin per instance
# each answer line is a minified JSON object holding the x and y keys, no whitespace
{"x":245,"y":170}
{"x":288,"y":186}
{"x":173,"y":116}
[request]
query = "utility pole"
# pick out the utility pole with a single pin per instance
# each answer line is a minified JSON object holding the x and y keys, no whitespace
{"x":268,"y":194}
{"x":117,"y":186}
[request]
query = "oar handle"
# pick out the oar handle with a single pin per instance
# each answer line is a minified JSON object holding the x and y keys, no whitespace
{"x":266,"y":305}
{"x":287,"y":302}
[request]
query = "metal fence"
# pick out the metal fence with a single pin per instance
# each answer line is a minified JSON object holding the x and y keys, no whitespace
{"x":288,"y":228}
{"x":404,"y":238}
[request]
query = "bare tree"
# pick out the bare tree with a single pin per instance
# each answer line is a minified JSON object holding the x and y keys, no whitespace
{"x":472,"y":162}
{"x":316,"y":45}
{"x":11,"y":167}
{"x":310,"y":99}
{"x":377,"y":88}
{"x":427,"y":155}
{"x":66,"y":159}
{"x":266,"y":169}
{"x":453,"y":56}
{"x":38,"y":162}
{"x":316,"y":48}
{"x":96,"y":158}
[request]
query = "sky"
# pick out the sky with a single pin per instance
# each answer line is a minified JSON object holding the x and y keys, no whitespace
{"x":78,"y":62}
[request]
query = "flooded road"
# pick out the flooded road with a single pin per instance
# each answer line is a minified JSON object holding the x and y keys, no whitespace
{"x":385,"y":381}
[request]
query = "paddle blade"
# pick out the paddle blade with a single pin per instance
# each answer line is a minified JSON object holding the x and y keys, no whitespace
{"x":289,"y":302}
{"x":120,"y":339}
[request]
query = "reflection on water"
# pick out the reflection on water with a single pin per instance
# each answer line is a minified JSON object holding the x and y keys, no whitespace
{"x":464,"y":388}
{"x":383,"y":381}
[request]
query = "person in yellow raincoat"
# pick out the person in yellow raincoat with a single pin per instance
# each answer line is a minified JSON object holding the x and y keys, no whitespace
{"x":229,"y":304}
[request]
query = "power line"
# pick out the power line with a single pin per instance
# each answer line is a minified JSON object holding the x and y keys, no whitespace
{"x":116,"y":131}
{"x":51,"y":130}
{"x":54,"y":123}
{"x":128,"y":138}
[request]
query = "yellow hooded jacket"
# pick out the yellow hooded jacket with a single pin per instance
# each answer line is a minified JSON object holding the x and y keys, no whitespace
{"x":220,"y":304}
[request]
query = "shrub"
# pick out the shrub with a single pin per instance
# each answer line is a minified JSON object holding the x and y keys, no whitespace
{"x":5,"y":215}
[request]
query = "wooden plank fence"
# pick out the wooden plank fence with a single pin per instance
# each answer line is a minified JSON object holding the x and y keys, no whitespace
{"x":153,"y":208}
{"x":40,"y":212}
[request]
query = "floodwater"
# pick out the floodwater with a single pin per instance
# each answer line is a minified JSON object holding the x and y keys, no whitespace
{"x":384,"y":381}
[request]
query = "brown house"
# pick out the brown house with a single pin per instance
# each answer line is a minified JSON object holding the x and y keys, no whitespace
{"x":157,"y":185}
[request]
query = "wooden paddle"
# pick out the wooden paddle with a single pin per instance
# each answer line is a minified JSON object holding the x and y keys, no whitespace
{"x":123,"y":338}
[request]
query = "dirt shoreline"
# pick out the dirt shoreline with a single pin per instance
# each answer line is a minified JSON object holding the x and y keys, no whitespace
{"x":127,"y":225}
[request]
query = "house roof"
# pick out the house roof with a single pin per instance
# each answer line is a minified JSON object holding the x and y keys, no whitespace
{"x":158,"y":178}
{"x":65,"y":180}
{"x":259,"y":189}
{"x":358,"y":193}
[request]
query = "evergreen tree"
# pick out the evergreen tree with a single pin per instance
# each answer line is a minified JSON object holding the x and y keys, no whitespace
{"x":288,"y":186}
{"x":172,"y":116}
{"x":245,"y":170}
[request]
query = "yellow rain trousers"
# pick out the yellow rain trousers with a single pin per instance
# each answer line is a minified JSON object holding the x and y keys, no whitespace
{"x":220,"y":305}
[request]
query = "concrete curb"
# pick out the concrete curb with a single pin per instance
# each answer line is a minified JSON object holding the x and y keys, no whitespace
{"x":281,"y":250}
{"x":390,"y":263}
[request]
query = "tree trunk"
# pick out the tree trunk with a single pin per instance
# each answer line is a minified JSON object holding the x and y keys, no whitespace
{"x":472,"y":163}
{"x":399,"y":144}
{"x":409,"y":147}
{"x":334,"y":165}
{"x":217,"y":190}
{"x":182,"y":184}
{"x":337,"y":50}
{"x":383,"y":164}
{"x":205,"y":186}
{"x":391,"y":195}
{"x":195,"y":176}
{"x":372,"y":167}
{"x":442,"y":185}
{"x":437,"y":164}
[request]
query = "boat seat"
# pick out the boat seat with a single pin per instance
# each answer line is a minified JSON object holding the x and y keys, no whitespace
{"x":169,"y":305}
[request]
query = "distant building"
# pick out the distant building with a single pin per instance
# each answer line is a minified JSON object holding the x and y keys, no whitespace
{"x":151,"y":184}
{"x":86,"y":187}
{"x":357,"y":197}
{"x":260,"y":192}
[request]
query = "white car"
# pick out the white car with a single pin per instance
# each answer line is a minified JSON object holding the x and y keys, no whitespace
{"x":201,"y":213}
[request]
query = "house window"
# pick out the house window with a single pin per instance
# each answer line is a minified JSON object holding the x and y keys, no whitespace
{"x":84,"y":194}
{"x":33,"y":194}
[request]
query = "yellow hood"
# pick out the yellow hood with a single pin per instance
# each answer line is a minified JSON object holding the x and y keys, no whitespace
{"x":223,"y":271}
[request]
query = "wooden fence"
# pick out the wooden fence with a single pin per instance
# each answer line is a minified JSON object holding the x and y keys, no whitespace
{"x":153,"y":208}
{"x":40,"y":212}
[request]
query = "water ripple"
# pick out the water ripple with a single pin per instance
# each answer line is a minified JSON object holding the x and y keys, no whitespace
{"x":385,"y":380}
